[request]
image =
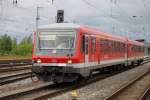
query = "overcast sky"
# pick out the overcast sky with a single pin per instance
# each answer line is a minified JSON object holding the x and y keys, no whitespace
{"x":120,"y":17}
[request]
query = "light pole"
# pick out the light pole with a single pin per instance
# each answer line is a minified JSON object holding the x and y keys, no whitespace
{"x":142,"y":26}
{"x":37,"y":17}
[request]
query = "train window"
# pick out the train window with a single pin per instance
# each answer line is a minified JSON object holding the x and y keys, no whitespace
{"x":56,"y":40}
{"x":105,"y":46}
{"x":86,"y":45}
{"x":133,"y":48}
{"x":110,"y":43}
{"x":113,"y":46}
{"x":118,"y":46}
{"x":83,"y":44}
{"x":110,"y":46}
{"x":123,"y":47}
{"x":102,"y":45}
{"x":93,"y":44}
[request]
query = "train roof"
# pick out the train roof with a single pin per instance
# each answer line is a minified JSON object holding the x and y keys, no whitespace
{"x":76,"y":26}
{"x":104,"y":34}
{"x":135,"y":42}
{"x":82,"y":27}
{"x":60,"y":26}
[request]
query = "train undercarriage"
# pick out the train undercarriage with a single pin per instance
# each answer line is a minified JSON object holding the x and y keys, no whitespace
{"x":61,"y":74}
{"x":55,"y":74}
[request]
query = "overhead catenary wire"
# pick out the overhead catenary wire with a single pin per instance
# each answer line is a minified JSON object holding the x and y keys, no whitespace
{"x":146,"y":12}
{"x":123,"y":13}
{"x":144,"y":5}
{"x":93,"y":6}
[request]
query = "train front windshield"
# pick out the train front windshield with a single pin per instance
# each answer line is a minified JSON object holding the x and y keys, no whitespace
{"x":56,"y":40}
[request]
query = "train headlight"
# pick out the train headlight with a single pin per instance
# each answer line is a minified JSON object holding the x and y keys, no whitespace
{"x":39,"y":61}
{"x":69,"y":62}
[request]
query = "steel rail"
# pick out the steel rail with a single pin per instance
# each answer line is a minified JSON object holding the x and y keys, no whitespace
{"x":14,"y":79}
{"x":73,"y":87}
{"x":14,"y":64}
{"x":8,"y":63}
{"x":8,"y":95}
{"x":5,"y":76}
{"x":51,"y":93}
{"x":15,"y":61}
{"x":145,"y":95}
{"x":121,"y":89}
{"x":2,"y":70}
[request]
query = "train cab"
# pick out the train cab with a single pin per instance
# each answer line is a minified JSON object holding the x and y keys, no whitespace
{"x":55,"y":52}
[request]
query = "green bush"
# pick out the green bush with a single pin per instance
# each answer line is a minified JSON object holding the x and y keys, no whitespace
{"x":23,"y":50}
{"x":5,"y":44}
{"x":9,"y":46}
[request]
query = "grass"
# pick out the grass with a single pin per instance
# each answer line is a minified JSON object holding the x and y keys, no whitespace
{"x":14,"y":57}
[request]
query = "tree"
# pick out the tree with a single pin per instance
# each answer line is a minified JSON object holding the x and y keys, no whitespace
{"x":14,"y":42}
{"x":25,"y":46}
{"x":10,"y":46}
{"x":27,"y":40}
{"x":5,"y":44}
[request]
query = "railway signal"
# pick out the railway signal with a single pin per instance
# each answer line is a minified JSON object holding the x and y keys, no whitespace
{"x":60,"y":16}
{"x":52,"y":1}
{"x":15,"y":1}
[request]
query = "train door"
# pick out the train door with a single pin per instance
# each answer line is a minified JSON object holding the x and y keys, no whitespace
{"x":86,"y":48}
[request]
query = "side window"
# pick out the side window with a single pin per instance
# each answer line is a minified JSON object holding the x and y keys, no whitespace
{"x":86,"y":45}
{"x":113,"y":46}
{"x":122,"y":47}
{"x":105,"y":46}
{"x":83,"y":44}
{"x":119,"y":44}
{"x":93,"y":44}
{"x":101,"y":45}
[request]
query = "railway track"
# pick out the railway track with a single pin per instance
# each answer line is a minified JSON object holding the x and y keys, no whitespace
{"x":14,"y":68}
{"x":47,"y":90}
{"x":146,"y":94}
{"x":11,"y":63}
{"x":18,"y":93}
{"x":14,"y":76}
{"x":14,"y":65}
{"x":133,"y":89}
{"x":42,"y":91}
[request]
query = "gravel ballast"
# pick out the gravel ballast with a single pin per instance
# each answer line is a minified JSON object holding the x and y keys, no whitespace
{"x":103,"y":88}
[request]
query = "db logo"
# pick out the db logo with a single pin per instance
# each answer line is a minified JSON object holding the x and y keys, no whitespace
{"x":53,"y":51}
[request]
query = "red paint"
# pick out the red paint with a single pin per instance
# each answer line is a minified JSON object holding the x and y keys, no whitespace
{"x":98,"y":56}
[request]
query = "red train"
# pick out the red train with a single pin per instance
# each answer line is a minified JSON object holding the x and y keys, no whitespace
{"x":64,"y":52}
